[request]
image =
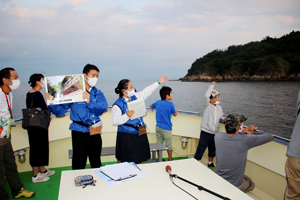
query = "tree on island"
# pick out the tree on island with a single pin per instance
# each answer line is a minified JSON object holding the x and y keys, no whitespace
{"x":268,"y":59}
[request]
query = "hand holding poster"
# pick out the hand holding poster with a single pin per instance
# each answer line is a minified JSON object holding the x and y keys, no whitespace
{"x":65,"y":89}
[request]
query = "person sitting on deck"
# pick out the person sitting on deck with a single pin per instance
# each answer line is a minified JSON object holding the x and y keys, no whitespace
{"x":232,"y":148}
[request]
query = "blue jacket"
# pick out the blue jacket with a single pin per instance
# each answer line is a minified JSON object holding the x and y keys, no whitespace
{"x":122,"y":104}
{"x":83,"y":112}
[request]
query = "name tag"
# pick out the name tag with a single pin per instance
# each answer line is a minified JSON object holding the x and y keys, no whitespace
{"x":96,"y":128}
{"x":142,"y":129}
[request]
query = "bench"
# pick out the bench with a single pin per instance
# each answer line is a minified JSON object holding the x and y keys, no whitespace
{"x":154,"y":147}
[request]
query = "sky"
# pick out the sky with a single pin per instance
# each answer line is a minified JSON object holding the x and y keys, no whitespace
{"x":133,"y":39}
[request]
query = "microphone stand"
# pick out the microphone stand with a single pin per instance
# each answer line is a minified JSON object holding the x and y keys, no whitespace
{"x":198,"y":186}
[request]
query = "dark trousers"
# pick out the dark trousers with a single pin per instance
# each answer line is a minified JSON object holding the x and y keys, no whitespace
{"x":206,"y":140}
{"x":39,"y":147}
{"x":8,"y":169}
{"x":85,"y":145}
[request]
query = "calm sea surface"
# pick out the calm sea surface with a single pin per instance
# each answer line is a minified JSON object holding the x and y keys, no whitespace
{"x":271,"y":106}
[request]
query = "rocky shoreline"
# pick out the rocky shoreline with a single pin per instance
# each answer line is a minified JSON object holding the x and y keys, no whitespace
{"x":237,"y":77}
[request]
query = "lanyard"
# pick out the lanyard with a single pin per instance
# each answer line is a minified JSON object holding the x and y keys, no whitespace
{"x":8,"y":103}
{"x":92,"y":93}
{"x":92,"y":97}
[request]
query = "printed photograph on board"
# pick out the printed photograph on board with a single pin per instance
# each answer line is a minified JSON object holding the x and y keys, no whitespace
{"x":65,"y":89}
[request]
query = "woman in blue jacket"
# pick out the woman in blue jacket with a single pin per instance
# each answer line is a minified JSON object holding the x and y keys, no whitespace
{"x":130,"y":146}
{"x":86,"y":126}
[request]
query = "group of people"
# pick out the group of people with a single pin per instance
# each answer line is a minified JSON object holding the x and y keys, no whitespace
{"x":231,"y":147}
{"x":85,"y":128}
{"x":131,"y":144}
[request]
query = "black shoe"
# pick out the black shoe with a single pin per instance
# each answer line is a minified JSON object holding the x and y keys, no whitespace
{"x":211,"y":166}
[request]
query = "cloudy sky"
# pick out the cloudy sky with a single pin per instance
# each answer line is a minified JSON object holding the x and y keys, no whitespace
{"x":133,"y":39}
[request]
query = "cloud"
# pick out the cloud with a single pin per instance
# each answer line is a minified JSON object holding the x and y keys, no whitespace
{"x":76,"y":2}
{"x":156,"y":6}
{"x":148,"y":37}
{"x":286,"y":19}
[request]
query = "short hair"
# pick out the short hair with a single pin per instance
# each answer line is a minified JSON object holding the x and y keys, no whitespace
{"x":34,"y":78}
{"x":164,"y":91}
{"x":90,"y":67}
{"x":230,"y":129}
{"x":122,"y":85}
{"x":5,"y":73}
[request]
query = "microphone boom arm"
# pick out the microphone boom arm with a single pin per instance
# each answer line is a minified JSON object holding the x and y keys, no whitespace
{"x":198,"y":186}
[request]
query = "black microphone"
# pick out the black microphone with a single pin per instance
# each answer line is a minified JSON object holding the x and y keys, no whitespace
{"x":168,"y":169}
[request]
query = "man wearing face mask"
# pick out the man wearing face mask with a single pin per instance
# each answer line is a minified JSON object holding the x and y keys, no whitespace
{"x":9,"y":81}
{"x":86,"y":126}
{"x":210,"y":125}
{"x":232,"y":149}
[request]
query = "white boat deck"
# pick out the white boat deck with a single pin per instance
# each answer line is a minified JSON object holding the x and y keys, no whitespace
{"x":265,"y":163}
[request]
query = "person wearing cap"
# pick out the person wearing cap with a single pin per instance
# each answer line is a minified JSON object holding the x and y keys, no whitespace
{"x":212,"y":114}
{"x":232,"y":148}
{"x":243,"y":118}
{"x":292,"y":164}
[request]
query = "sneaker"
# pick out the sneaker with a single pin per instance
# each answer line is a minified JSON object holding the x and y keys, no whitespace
{"x":49,"y":172}
{"x":24,"y":193}
{"x":211,"y":166}
{"x":40,"y":178}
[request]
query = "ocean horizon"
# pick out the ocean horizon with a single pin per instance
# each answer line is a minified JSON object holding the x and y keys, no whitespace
{"x":271,"y":106}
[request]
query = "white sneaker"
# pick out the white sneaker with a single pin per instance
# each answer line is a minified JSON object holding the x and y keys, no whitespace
{"x":40,"y":178}
{"x":49,"y":172}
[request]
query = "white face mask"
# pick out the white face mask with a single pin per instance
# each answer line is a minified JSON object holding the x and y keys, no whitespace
{"x":15,"y":84}
{"x":42,"y":85}
{"x":92,"y":81}
{"x":241,"y":127}
{"x":130,"y":93}
{"x":217,"y":102}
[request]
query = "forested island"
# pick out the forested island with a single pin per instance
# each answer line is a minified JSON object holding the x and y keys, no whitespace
{"x":271,"y":59}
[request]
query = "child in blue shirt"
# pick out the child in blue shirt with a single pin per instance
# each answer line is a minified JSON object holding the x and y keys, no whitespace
{"x":164,"y":111}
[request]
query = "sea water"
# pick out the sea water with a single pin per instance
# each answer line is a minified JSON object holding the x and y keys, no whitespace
{"x":271,"y":106}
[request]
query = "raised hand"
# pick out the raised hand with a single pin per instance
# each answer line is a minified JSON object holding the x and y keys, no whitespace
{"x":163,"y":79}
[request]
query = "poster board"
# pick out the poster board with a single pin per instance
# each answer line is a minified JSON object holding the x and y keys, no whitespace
{"x":65,"y":89}
{"x":139,"y":108}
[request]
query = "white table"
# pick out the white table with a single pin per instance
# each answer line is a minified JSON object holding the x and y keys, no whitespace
{"x":157,"y":185}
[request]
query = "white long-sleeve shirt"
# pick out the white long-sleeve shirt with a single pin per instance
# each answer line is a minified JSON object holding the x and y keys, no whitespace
{"x":211,"y":114}
{"x":118,"y":118}
{"x":5,"y":117}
